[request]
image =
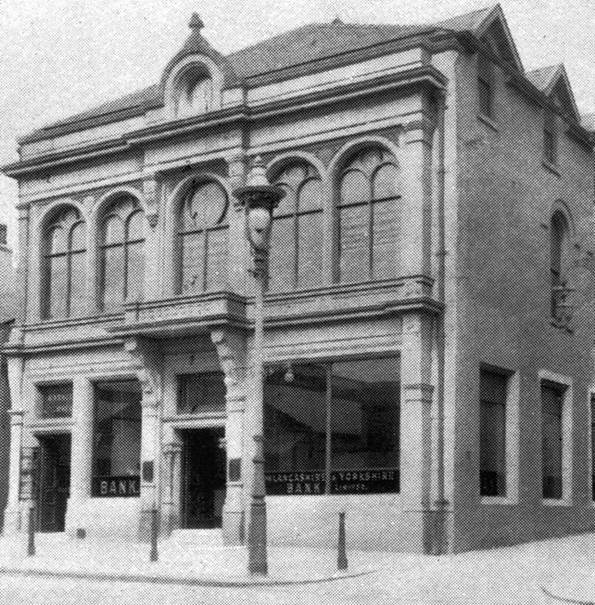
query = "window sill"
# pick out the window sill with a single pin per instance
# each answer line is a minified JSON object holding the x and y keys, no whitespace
{"x":555,"y":502}
{"x":498,"y":500}
{"x":488,"y":121}
{"x":551,"y":167}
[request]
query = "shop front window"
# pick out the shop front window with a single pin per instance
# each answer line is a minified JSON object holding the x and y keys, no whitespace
{"x":117,"y":439}
{"x":332,"y":428}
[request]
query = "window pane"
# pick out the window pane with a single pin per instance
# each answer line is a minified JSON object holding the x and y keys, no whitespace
{"x":492,"y":420}
{"x":549,"y":146}
{"x":294,"y":433}
{"x":310,"y":197}
{"x":355,"y":188}
{"x":354,"y":243}
{"x":135,"y":271}
{"x":551,"y":431}
{"x":385,"y":234}
{"x":310,"y":250}
{"x":78,"y":239}
{"x":56,"y":240}
{"x":282,"y":257}
{"x":385,"y":183}
{"x":216,"y":258}
{"x":58,"y":286}
{"x":192,"y":263}
{"x":113,"y":230}
{"x":117,"y":439}
{"x":77,"y":284}
{"x":136,"y":224}
{"x":485,"y":98}
{"x":365,"y":425}
{"x":56,"y":401}
{"x":113,"y":277}
{"x":201,"y":393}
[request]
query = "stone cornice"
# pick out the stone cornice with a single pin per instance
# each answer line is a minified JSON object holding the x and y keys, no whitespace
{"x":241,"y":116}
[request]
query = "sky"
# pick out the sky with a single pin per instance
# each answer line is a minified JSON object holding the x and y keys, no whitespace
{"x":59,"y":57}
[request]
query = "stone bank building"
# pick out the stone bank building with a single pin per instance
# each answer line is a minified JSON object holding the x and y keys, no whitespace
{"x":428,"y":321}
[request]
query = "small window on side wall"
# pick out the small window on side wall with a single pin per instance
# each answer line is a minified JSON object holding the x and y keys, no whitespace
{"x":550,"y":139}
{"x":485,"y":87}
{"x":559,"y":260}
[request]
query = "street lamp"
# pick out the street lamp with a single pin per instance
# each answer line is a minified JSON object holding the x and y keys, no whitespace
{"x":259,"y":198}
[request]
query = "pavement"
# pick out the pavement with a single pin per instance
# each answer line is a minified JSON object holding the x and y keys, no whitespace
{"x":546,"y":572}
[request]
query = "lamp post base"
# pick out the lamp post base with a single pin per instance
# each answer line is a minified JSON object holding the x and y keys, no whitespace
{"x":257,"y":538}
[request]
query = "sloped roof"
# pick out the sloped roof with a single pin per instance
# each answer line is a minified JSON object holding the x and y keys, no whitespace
{"x":553,"y":81}
{"x":299,"y":46}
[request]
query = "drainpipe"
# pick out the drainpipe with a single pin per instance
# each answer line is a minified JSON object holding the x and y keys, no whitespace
{"x":440,"y":541}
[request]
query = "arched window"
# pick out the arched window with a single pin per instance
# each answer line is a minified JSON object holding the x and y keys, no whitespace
{"x":63,"y":281}
{"x":559,"y":250}
{"x":194,"y":91}
{"x":296,"y":243}
{"x":122,"y":253}
{"x":368,"y":216}
{"x":202,"y":238}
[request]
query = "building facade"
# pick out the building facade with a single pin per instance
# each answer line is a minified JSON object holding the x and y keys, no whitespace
{"x":428,"y":321}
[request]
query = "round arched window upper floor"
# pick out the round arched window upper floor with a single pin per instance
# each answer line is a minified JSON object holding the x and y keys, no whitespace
{"x":64,"y":247}
{"x":368,"y":216}
{"x":121,"y":253}
{"x":193,"y":91}
{"x":202,"y":238}
{"x":559,"y":261}
{"x":296,"y":239}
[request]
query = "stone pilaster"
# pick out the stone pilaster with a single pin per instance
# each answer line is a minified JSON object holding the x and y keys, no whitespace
{"x":22,"y":272}
{"x":416,"y":423}
{"x":231,"y":348}
{"x":82,"y":453}
{"x":153,"y":235}
{"x":29,"y":481}
{"x":415,"y":248}
{"x":147,"y":362}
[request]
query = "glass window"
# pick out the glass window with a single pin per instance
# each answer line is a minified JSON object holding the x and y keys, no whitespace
{"x":203,"y":239}
{"x":333,"y":428}
{"x":551,"y":439}
{"x":550,"y":143}
{"x":56,"y":401}
{"x":296,"y":236}
{"x":201,"y":393}
{"x":64,"y":265}
{"x":117,"y":439}
{"x":368,"y":216}
{"x":122,"y":253}
{"x":485,"y":87}
{"x":492,"y":431}
{"x":558,"y":262}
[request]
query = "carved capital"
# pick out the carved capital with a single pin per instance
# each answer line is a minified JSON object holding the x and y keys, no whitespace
{"x":146,"y":362}
{"x":231,"y":349}
{"x":237,"y":163}
{"x":420,"y":131}
{"x":151,"y":197}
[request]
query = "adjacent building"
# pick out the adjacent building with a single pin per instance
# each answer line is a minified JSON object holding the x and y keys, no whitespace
{"x":429,"y":316}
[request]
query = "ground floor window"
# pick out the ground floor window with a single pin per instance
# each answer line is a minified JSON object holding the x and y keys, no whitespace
{"x":492,"y":433}
{"x":551,"y":438}
{"x":117,"y":439}
{"x":332,"y":427}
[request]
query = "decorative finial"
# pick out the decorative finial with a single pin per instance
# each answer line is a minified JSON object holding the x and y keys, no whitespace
{"x":337,"y":20}
{"x":196,"y":23}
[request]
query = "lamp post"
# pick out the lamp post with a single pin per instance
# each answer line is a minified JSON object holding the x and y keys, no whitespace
{"x":258,"y":198}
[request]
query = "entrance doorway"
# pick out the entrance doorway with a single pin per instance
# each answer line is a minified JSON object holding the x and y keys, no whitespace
{"x":54,"y":482}
{"x":204,"y":478}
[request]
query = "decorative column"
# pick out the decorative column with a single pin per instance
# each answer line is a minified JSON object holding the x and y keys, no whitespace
{"x":22,"y":273}
{"x":170,"y":507}
{"x":81,"y":468}
{"x":147,"y":361}
{"x":416,"y":425}
{"x":415,"y":249}
{"x":231,"y":348}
